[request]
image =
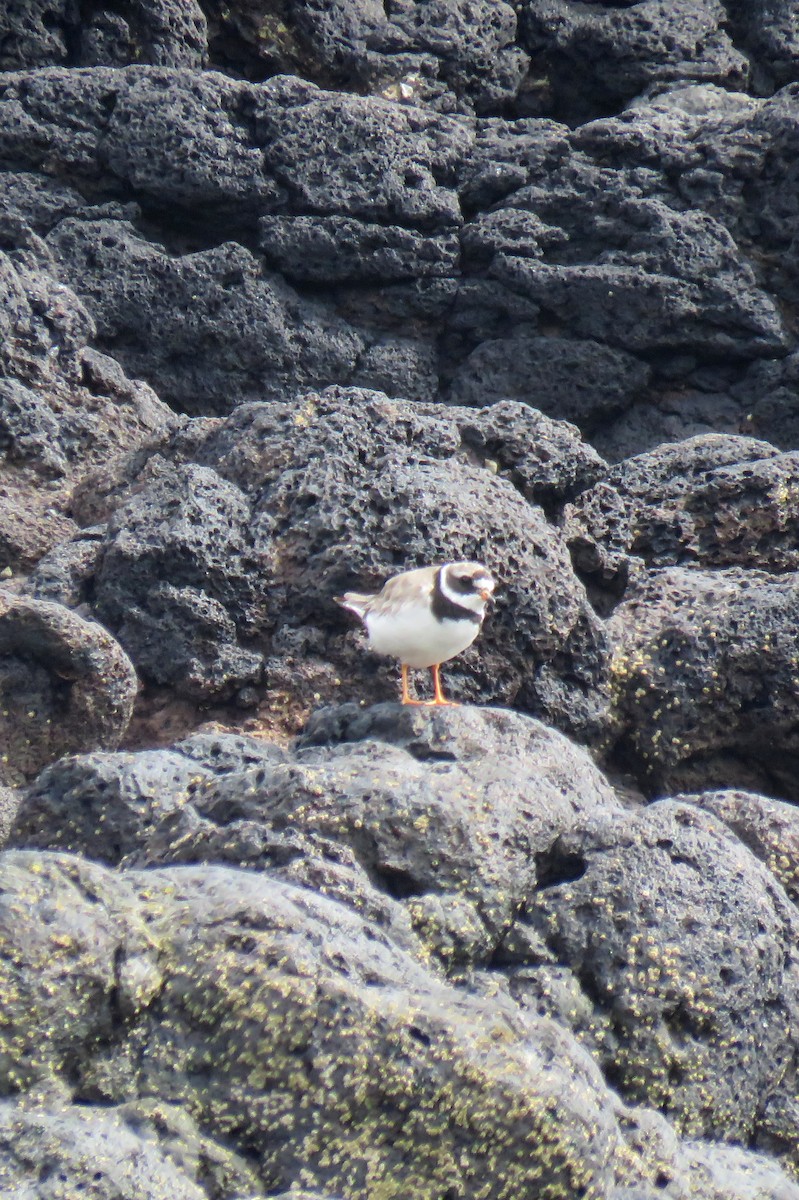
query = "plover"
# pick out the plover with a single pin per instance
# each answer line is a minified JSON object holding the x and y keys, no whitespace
{"x":425,"y":617}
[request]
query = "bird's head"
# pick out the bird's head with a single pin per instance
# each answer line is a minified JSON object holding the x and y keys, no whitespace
{"x":469,"y":584}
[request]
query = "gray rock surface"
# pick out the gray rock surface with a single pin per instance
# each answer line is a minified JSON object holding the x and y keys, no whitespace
{"x":293,"y":296}
{"x":691,"y":503}
{"x":605,"y":54}
{"x":220,"y":559}
{"x":129,"y":1157}
{"x":446,"y":813}
{"x":704,"y":679}
{"x":213,"y":964}
{"x":65,"y":685}
{"x":688,"y":959}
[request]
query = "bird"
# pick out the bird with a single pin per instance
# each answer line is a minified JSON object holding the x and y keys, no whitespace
{"x":424,"y":617}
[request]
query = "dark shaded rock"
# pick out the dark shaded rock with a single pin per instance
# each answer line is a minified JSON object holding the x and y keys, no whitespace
{"x":65,"y":573}
{"x":676,"y":412}
{"x":63,"y":407}
{"x":474,"y":43}
{"x":767,"y":396}
{"x":628,"y":240}
{"x":710,"y":501}
{"x":580,"y":381}
{"x":28,"y":429}
{"x":225,"y":546}
{"x":337,"y":249}
{"x":40,"y":33}
{"x":770,"y":32}
{"x":174,"y":137}
{"x":209,"y":327}
{"x":179,"y":569}
{"x":625,"y":268}
{"x":366,"y":157}
{"x":66,"y":685}
{"x":505,"y":155}
{"x":104,"y":805}
{"x":399,"y":367}
{"x":446,"y":54}
{"x":704,"y":679}
{"x":685,"y":945}
{"x":164,"y":33}
{"x":32,"y":33}
{"x":545,"y":460}
{"x":600,"y":56}
{"x":30,"y":523}
{"x":736,"y":161}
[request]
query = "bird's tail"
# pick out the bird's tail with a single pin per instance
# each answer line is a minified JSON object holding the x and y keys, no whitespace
{"x":354,"y":602}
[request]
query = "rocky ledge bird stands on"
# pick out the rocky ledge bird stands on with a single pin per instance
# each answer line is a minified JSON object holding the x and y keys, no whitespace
{"x":425,"y":617}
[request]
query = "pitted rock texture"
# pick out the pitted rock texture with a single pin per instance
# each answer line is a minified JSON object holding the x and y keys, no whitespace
{"x":445,"y":813}
{"x":711,"y":501}
{"x":275,"y":965}
{"x":627,"y":938}
{"x":684,"y":944}
{"x":610,"y":52}
{"x":632,"y":268}
{"x":705,"y":671}
{"x":295,"y":296}
{"x":65,"y":685}
{"x":210,"y":965}
{"x":219,"y":561}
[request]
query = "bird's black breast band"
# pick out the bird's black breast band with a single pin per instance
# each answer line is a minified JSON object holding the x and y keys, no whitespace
{"x":445,"y":609}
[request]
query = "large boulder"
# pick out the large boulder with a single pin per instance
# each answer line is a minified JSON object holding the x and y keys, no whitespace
{"x":447,"y":814}
{"x":221,"y":558}
{"x":704,"y":679}
{"x":66,"y":685}
{"x":601,"y":55}
{"x":210,"y":966}
{"x":711,"y":501}
{"x":685,"y":947}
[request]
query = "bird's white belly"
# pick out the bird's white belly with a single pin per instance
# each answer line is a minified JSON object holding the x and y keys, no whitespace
{"x":417,"y":638}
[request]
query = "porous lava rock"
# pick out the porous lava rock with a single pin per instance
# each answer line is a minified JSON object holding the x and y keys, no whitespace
{"x":210,"y":965}
{"x":136,"y":1152}
{"x":65,"y":685}
{"x":768,"y":827}
{"x":629,"y":269}
{"x":604,"y":54}
{"x":221,"y":557}
{"x":296,"y":295}
{"x":704,"y":676}
{"x":710,"y":501}
{"x":64,"y":407}
{"x":104,"y":805}
{"x":445,"y":813}
{"x":684,"y":944}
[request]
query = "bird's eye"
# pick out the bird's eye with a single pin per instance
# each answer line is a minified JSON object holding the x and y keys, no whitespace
{"x":466,"y":580}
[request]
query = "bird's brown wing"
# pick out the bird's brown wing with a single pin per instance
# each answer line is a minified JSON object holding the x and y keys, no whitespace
{"x":404,"y":589}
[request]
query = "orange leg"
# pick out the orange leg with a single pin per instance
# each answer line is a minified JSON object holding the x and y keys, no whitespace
{"x":439,"y":697}
{"x":407,"y":698}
